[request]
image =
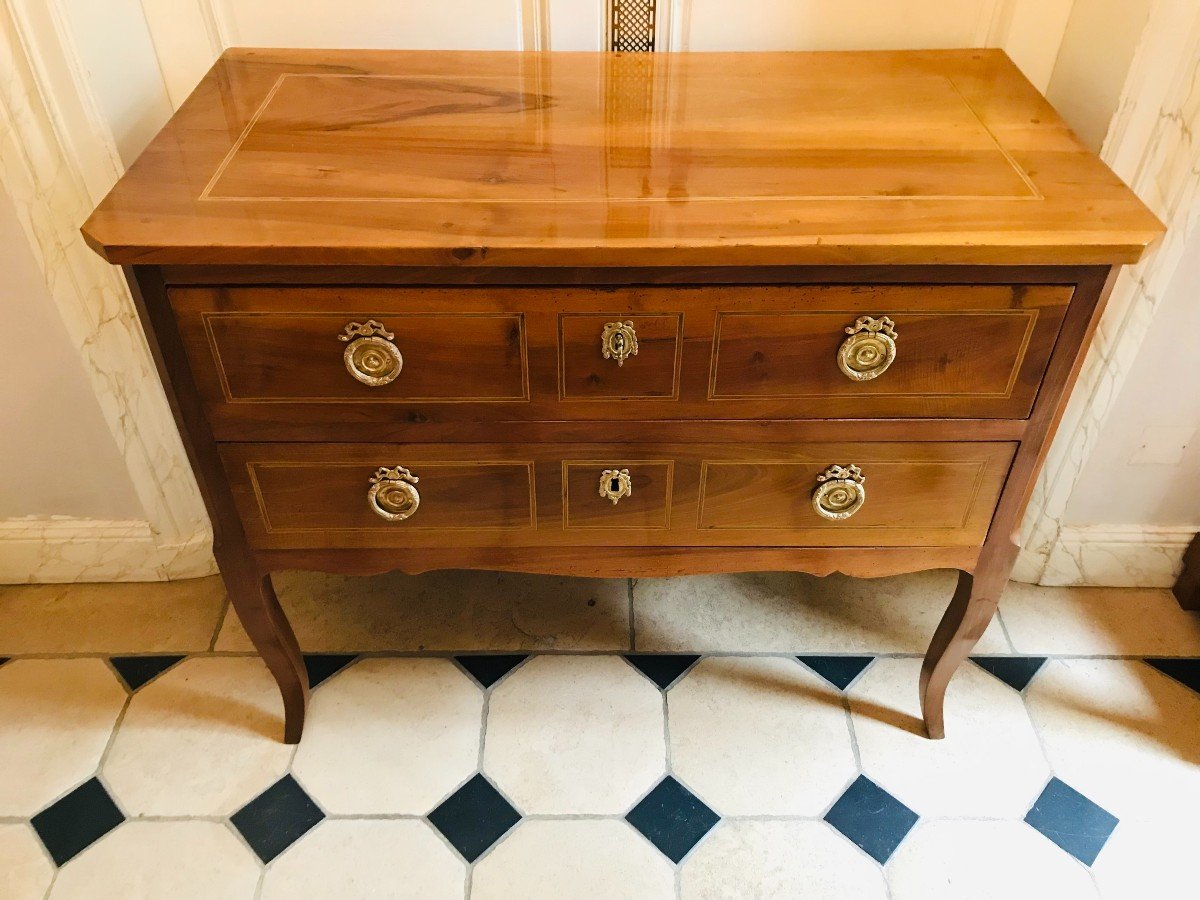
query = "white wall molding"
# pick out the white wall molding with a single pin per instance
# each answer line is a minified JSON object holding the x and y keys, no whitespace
{"x":62,"y":549}
{"x":1117,"y":556}
{"x":42,"y":172}
{"x":187,"y":38}
{"x":535,"y":24}
{"x":1153,"y":145}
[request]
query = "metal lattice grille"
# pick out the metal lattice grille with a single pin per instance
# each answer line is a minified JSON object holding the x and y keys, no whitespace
{"x":632,"y":25}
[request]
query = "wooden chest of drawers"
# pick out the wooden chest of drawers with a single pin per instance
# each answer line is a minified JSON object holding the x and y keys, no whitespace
{"x":617,"y":315}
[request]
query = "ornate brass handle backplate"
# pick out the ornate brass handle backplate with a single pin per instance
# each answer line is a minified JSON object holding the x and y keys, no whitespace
{"x":840,"y":492}
{"x":619,"y":341}
{"x":870,"y":348}
{"x":370,"y":355}
{"x":615,"y":484}
{"x":393,"y":494}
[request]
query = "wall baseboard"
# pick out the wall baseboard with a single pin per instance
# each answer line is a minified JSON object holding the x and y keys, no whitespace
{"x":64,"y":549}
{"x":1117,"y":555}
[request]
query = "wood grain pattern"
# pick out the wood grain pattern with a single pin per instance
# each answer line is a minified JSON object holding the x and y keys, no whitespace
{"x":501,"y":159}
{"x":315,"y":495}
{"x":734,"y":351}
{"x":495,"y":210}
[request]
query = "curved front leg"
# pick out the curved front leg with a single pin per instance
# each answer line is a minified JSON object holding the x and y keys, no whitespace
{"x":258,"y":608}
{"x":963,"y":624}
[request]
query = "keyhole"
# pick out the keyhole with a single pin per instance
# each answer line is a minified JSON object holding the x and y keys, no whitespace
{"x":615,"y":485}
{"x":618,"y":343}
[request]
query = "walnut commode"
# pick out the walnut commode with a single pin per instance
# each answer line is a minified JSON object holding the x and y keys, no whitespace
{"x":599,"y":315}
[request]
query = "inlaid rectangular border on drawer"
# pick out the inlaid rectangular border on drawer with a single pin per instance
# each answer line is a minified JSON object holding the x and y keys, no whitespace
{"x":544,"y":494}
{"x":485,"y":355}
{"x":325,"y":371}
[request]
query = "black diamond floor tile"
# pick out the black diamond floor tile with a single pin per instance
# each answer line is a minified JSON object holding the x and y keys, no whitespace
{"x":839,"y":671}
{"x":663,"y":669}
{"x":72,"y":824}
{"x":474,"y":817}
{"x":323,"y":666}
{"x":277,"y":818}
{"x":1071,"y":821}
{"x":672,"y":818}
{"x":1015,"y":671}
{"x":489,"y":669}
{"x":1185,"y":671}
{"x":135,"y":671}
{"x":871,"y":818}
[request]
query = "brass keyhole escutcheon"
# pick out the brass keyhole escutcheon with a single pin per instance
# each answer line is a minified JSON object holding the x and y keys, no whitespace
{"x":615,"y":484}
{"x":619,"y":341}
{"x":840,"y":492}
{"x":393,"y":494}
{"x":869,"y":349}
{"x":370,"y":355}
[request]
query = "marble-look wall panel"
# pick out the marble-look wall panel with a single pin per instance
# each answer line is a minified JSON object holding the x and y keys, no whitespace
{"x":45,"y":183}
{"x":1153,"y":145}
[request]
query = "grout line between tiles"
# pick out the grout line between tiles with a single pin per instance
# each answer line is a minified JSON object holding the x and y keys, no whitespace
{"x":632,"y":583}
{"x":226,"y":608}
{"x":1004,"y":631}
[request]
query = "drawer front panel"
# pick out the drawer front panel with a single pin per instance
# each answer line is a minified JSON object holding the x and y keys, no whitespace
{"x":915,"y":494}
{"x":269,"y":358}
{"x":448,"y":357}
{"x":587,"y":374}
{"x":939,"y":355}
{"x":297,"y":497}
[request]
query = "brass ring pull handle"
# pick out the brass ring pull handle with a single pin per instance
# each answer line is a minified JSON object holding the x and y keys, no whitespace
{"x":840,"y":492}
{"x":870,"y":348}
{"x":370,"y":355}
{"x":619,"y":341}
{"x":615,"y":484}
{"x":393,"y":495}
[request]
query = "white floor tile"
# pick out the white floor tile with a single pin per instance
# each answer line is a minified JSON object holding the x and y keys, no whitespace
{"x":580,"y":859}
{"x":1149,"y":859}
{"x":779,"y":859}
{"x":989,"y":765}
{"x":366,"y":858}
{"x":1122,"y":734}
{"x":25,"y":869}
{"x":56,"y":718}
{"x":180,"y":860}
{"x":759,"y":736}
{"x":203,"y":739}
{"x":390,"y":736}
{"x":963,"y":860}
{"x":575,"y":734}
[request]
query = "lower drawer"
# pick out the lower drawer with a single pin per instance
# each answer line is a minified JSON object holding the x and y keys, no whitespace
{"x":474,"y":495}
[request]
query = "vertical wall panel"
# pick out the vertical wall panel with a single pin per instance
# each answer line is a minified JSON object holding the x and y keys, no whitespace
{"x":822,"y":25}
{"x":409,"y":24}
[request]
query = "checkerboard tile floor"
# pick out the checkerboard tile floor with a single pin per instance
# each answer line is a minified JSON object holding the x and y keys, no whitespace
{"x":502,"y":736}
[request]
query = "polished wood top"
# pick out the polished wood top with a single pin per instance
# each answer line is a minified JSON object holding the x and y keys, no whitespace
{"x":586,"y":159}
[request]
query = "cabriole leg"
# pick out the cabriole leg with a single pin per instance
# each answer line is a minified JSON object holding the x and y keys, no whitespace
{"x":254,"y":600}
{"x":963,"y":624}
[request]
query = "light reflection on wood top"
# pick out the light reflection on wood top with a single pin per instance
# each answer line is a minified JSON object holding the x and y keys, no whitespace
{"x":357,"y":157}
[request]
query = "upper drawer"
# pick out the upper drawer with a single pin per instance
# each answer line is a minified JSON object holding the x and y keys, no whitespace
{"x":321,"y":357}
{"x":284,"y":357}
